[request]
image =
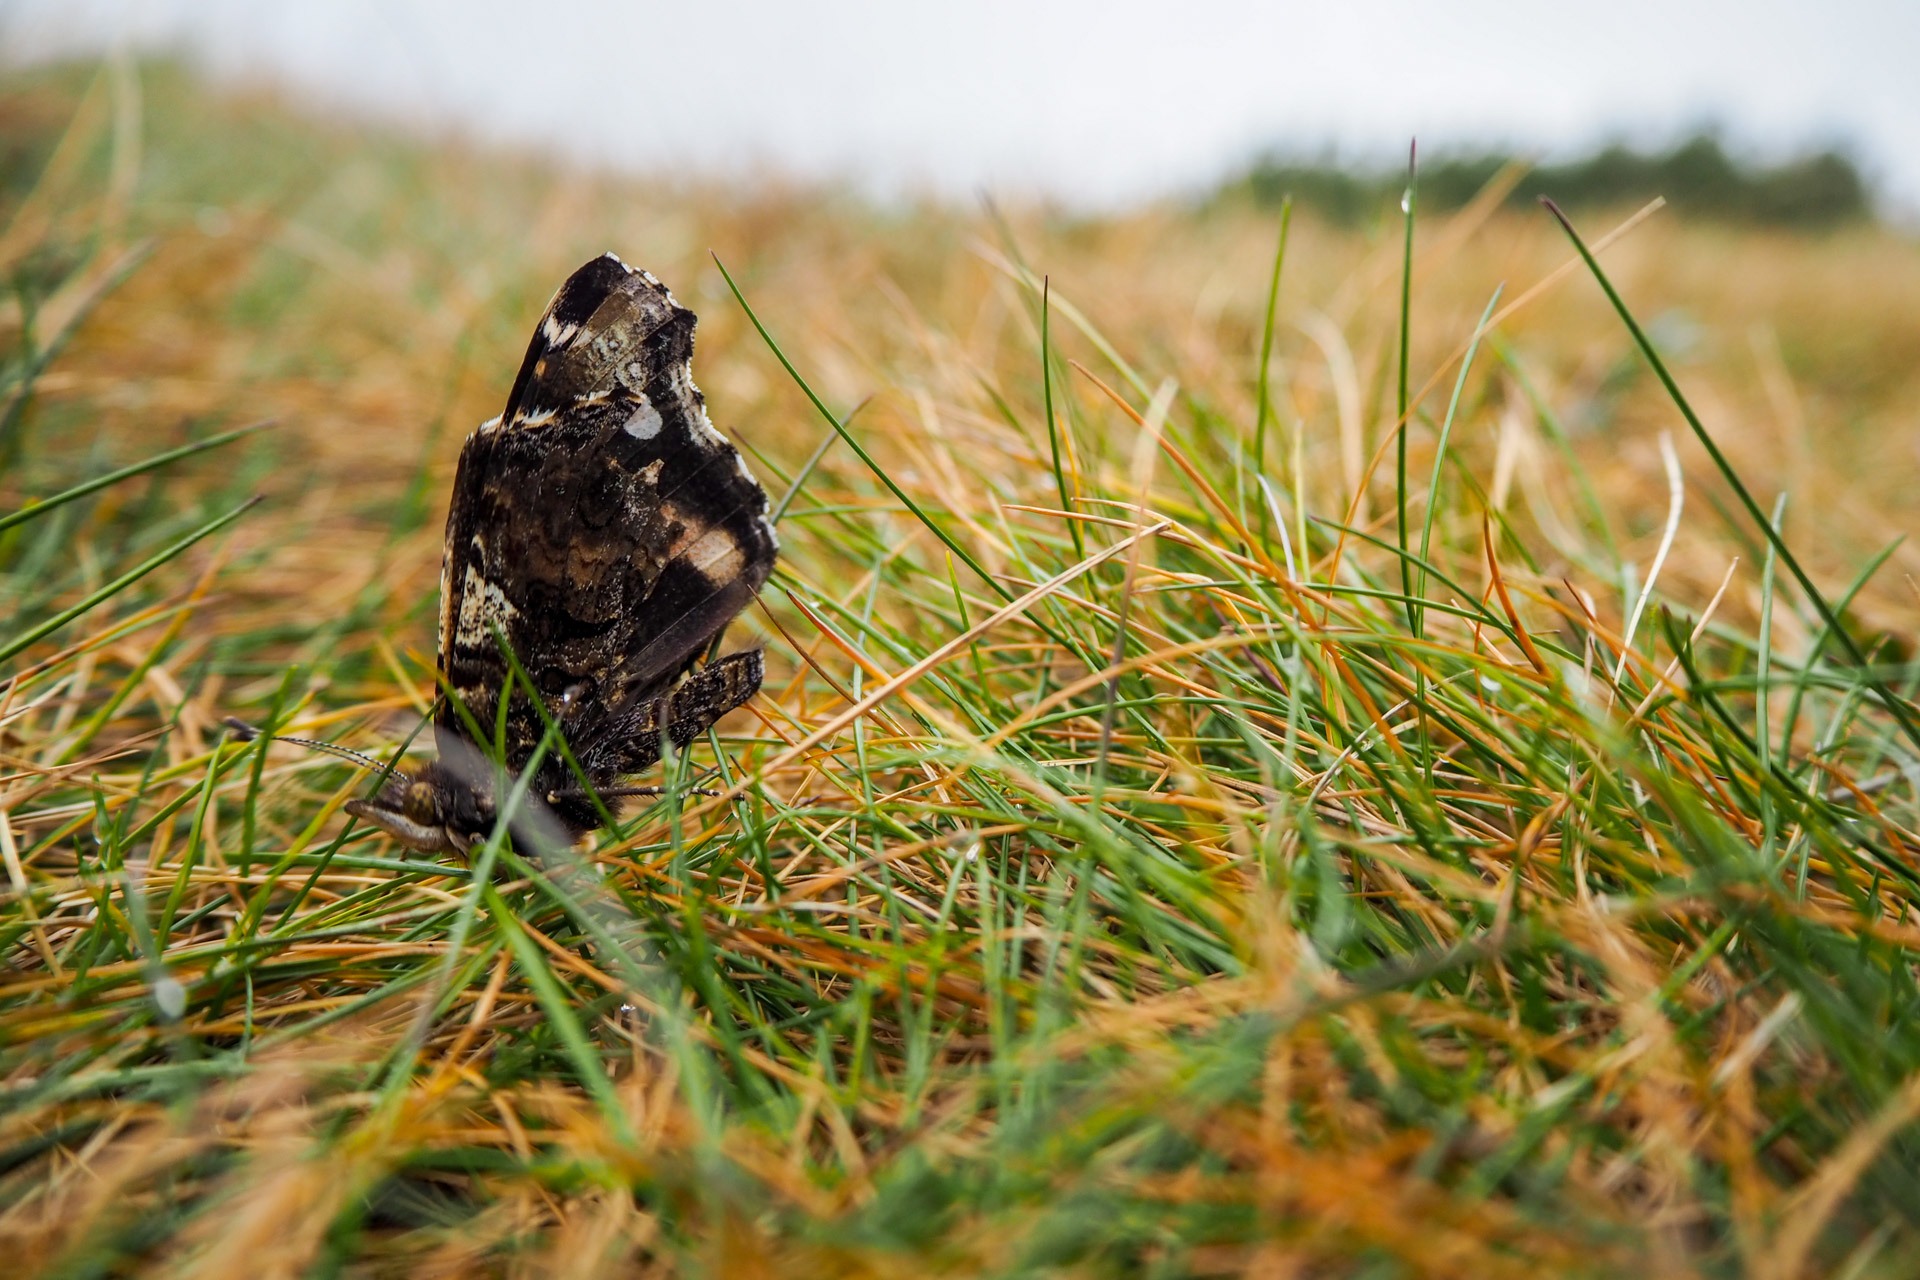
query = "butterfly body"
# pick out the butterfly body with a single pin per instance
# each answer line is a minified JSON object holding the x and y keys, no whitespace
{"x":608,"y":534}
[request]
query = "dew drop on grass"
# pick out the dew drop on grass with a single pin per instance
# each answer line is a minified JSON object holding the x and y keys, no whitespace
{"x":1406,"y":202}
{"x":170,"y":998}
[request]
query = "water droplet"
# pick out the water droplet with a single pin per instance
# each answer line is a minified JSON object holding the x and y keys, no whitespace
{"x":1406,"y":202}
{"x":170,"y":998}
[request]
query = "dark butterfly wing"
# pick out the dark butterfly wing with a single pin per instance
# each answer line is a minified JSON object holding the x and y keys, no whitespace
{"x":589,"y":341}
{"x":601,"y":523}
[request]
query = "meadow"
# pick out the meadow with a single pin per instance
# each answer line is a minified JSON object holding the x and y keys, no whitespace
{"x":1289,"y":749}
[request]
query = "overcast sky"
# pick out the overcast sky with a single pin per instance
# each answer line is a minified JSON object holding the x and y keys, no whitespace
{"x":1096,"y":102}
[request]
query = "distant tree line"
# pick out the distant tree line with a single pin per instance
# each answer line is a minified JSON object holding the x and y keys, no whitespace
{"x":1698,"y":178}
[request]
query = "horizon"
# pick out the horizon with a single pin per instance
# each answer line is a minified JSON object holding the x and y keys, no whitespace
{"x":1092,"y":107}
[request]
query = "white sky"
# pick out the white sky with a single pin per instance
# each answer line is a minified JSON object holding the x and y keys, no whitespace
{"x":1095,"y":102}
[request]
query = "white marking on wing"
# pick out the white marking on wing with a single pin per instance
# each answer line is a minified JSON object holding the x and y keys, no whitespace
{"x":716,"y":555}
{"x":482,"y":606}
{"x":689,"y":395}
{"x":446,"y":603}
{"x":740,"y":461}
{"x":644,"y":422}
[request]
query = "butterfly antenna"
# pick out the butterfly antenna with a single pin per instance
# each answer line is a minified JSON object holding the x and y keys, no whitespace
{"x":622,"y":793}
{"x":247,"y":733}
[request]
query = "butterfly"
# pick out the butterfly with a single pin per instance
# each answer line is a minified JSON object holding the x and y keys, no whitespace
{"x":608,"y":534}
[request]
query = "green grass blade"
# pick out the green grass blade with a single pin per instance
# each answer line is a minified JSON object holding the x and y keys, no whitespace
{"x":1895,"y":706}
{"x":43,"y":506}
{"x":1263,"y":412}
{"x":1408,"y":207}
{"x":1439,"y":461}
{"x":121,"y":583}
{"x":1053,"y":425}
{"x":879,"y":472}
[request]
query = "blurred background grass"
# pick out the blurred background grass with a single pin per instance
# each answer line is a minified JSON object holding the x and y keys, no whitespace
{"x":1232,"y":1072}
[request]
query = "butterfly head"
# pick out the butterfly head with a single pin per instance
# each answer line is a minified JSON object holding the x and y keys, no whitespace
{"x":432,"y":809}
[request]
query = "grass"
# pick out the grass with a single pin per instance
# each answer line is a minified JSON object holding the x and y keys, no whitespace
{"x":1141,"y":861}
